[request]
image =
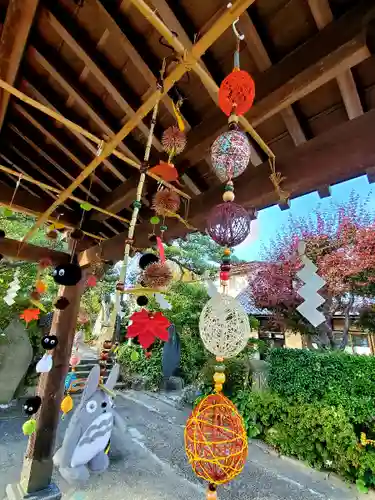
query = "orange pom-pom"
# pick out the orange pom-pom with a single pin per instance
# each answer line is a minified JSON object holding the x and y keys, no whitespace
{"x":215,"y":440}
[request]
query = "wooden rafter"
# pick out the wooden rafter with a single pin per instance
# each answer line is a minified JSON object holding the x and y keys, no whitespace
{"x":53,"y":140}
{"x":322,"y":14}
{"x":348,"y":150}
{"x":263,"y":62}
{"x":18,"y":21}
{"x":99,"y":75}
{"x":31,"y":253}
{"x":190,"y":60}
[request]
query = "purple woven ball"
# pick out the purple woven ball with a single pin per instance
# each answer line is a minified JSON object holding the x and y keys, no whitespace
{"x":228,"y":224}
{"x":230,"y":154}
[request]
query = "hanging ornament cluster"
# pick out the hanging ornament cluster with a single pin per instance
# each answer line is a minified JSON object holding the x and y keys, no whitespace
{"x":67,"y":274}
{"x":215,"y":435}
{"x":13,"y":289}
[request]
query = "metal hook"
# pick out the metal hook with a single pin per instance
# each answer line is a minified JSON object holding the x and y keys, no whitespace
{"x":239,"y":35}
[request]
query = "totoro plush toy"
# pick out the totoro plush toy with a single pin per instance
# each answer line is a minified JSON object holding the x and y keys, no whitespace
{"x":91,"y":431}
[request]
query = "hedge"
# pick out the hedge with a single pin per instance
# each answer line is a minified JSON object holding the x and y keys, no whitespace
{"x":317,"y":405}
{"x":336,"y":378}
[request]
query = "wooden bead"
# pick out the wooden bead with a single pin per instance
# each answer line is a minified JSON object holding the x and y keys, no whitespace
{"x":218,"y":387}
{"x":228,"y":196}
{"x":211,"y":495}
{"x":227,"y":251}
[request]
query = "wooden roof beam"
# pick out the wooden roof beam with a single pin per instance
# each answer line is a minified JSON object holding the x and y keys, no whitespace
{"x":18,"y":21}
{"x":322,"y":14}
{"x":263,"y":62}
{"x":99,"y":75}
{"x":339,"y":46}
{"x":120,"y":198}
{"x":53,"y":140}
{"x":31,"y":253}
{"x":339,"y":154}
{"x":190,"y":60}
{"x":86,"y":143}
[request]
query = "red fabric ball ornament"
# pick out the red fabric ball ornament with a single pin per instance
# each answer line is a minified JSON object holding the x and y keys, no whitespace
{"x":224,"y":275}
{"x":237,"y":93}
{"x":228,"y":224}
{"x":215,"y":440}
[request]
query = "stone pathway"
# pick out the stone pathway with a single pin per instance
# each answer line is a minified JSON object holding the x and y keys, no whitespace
{"x":155,"y":465}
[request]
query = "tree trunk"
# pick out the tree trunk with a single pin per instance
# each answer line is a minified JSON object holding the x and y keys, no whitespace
{"x":345,"y":336}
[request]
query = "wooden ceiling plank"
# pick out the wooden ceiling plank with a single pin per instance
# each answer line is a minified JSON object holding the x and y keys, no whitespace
{"x":51,"y":160}
{"x":31,"y":253}
{"x":18,"y":21}
{"x":41,"y":98}
{"x":337,"y":47}
{"x":136,"y":58}
{"x":100,"y":76}
{"x":263,"y":62}
{"x":68,"y":87}
{"x":51,"y":138}
{"x":190,"y":60}
{"x":339,"y":154}
{"x":120,"y":198}
{"x":322,"y":14}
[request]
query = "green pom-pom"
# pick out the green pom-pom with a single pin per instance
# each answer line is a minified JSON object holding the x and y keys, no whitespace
{"x":163,"y":228}
{"x":86,"y":206}
{"x":29,"y":427}
{"x":134,"y":356}
{"x":7,"y":212}
{"x":137,"y":204}
{"x":154,"y":219}
{"x":228,"y":187}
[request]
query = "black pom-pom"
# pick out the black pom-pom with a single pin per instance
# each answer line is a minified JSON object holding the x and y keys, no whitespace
{"x":67,"y":274}
{"x":61,"y":303}
{"x":1,"y":256}
{"x":142,"y":283}
{"x":32,"y":405}
{"x":49,"y":342}
{"x":142,"y":300}
{"x":76,"y":234}
{"x":147,"y":259}
{"x":152,"y":238}
{"x":2,"y":233}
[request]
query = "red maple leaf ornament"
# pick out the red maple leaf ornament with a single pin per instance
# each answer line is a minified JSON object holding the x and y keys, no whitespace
{"x":29,"y":315}
{"x":147,"y":326}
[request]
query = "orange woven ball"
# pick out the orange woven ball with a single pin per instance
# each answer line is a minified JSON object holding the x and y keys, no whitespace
{"x":215,"y":440}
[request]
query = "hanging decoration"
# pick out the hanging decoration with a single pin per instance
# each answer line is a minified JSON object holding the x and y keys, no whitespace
{"x":157,"y":275}
{"x":13,"y":288}
{"x":173,"y":141}
{"x":216,"y":443}
{"x":30,"y":314}
{"x":228,"y":224}
{"x":32,"y":405}
{"x":224,"y":326}
{"x":166,"y":171}
{"x":67,"y":274}
{"x":147,"y":326}
{"x":166,"y":202}
{"x":61,"y":303}
{"x":312,"y":283}
{"x":230,"y":154}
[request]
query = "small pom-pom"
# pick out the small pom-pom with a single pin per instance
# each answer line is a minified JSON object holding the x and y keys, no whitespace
{"x":142,"y":300}
{"x":61,"y":303}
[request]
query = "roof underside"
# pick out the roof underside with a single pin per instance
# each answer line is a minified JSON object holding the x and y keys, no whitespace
{"x":96,"y":61}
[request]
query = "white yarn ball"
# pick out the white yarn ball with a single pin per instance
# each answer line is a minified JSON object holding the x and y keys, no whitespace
{"x":224,"y":326}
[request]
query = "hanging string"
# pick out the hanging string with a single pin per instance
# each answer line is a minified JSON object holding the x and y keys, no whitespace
{"x":75,"y":242}
{"x":15,"y":190}
{"x":137,"y":203}
{"x":277,"y":178}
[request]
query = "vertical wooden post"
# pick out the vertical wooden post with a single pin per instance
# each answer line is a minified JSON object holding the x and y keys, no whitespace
{"x":38,"y":466}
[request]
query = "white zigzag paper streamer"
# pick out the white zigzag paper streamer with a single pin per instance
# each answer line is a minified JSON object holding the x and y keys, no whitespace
{"x":312,"y":283}
{"x":13,"y":289}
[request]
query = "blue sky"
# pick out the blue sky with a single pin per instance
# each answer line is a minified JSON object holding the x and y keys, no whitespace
{"x":270,"y":220}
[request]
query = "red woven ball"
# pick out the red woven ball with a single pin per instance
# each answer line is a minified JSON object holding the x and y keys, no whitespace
{"x":236,"y":93}
{"x":228,"y":224}
{"x":215,"y":440}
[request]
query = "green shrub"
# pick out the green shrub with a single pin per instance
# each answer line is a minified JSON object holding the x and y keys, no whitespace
{"x":338,"y":379}
{"x":315,"y":433}
{"x":148,"y":367}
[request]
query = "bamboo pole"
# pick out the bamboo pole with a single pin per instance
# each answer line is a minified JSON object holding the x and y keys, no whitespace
{"x":190,"y":59}
{"x":80,"y":130}
{"x":47,"y":187}
{"x":198,"y":68}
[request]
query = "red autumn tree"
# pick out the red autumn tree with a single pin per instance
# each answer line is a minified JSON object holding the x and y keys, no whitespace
{"x":341,"y":242}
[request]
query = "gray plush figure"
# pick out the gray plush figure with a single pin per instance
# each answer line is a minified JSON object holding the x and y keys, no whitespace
{"x":94,"y":423}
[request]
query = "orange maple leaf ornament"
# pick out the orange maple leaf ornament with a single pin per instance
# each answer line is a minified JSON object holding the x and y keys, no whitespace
{"x":40,"y":287}
{"x":29,"y":315}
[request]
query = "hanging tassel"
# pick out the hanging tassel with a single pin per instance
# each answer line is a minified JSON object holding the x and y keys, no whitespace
{"x":160,"y":248}
{"x":180,"y":120}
